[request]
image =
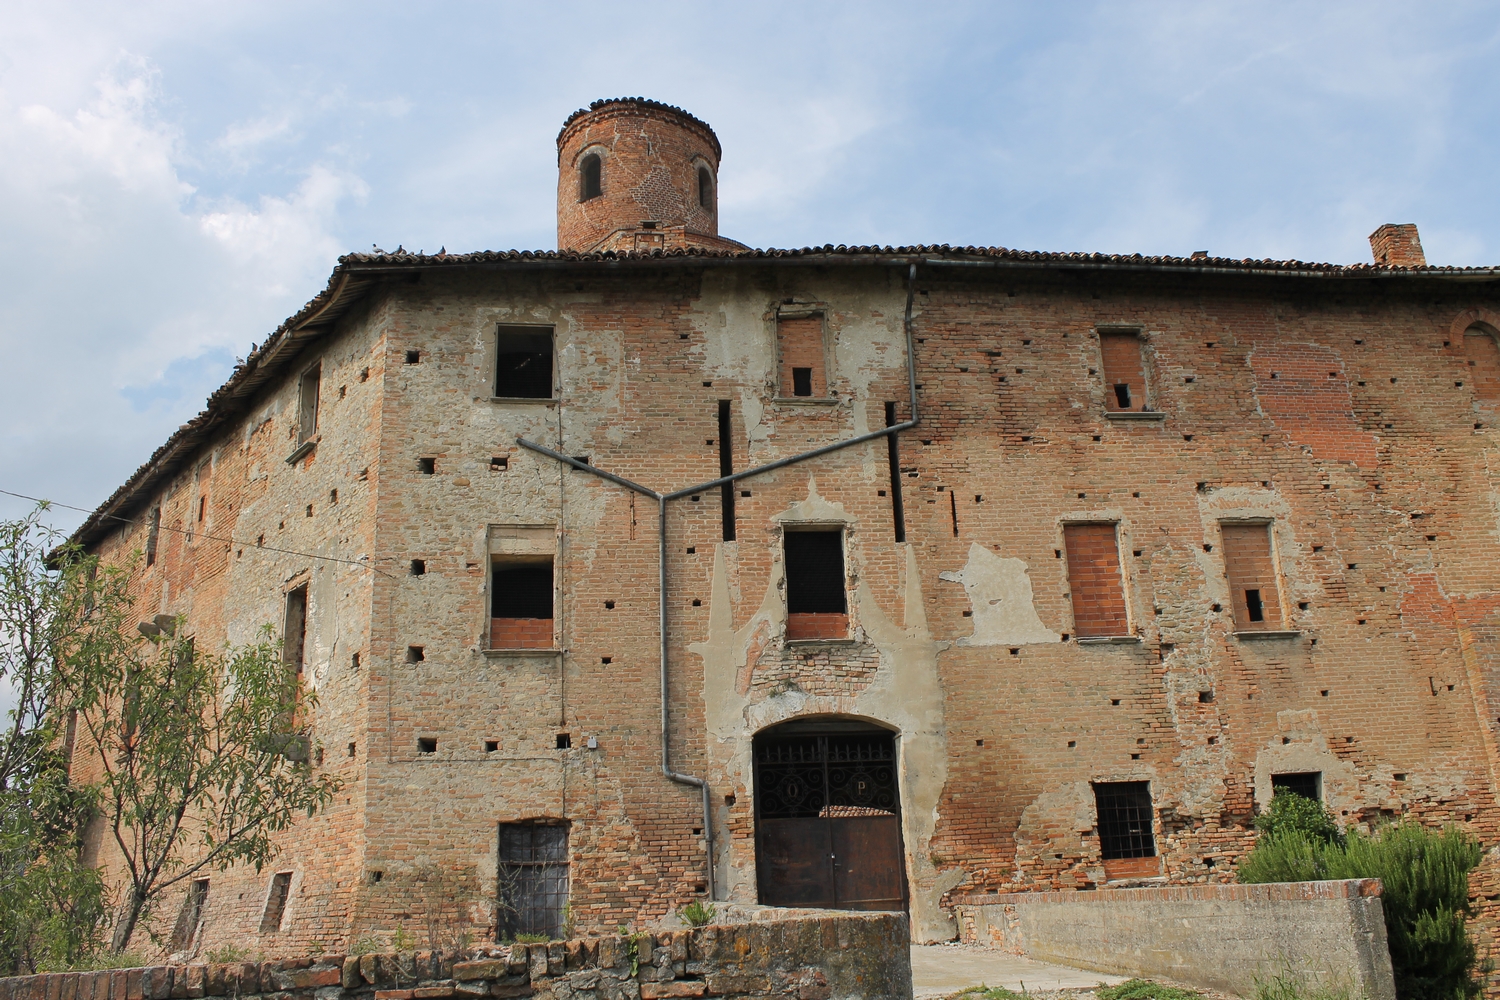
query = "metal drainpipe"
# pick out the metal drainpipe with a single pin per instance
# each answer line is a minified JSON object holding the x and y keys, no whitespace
{"x":661,"y":570}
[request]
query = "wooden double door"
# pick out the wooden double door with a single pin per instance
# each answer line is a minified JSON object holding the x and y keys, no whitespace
{"x":828,"y":818}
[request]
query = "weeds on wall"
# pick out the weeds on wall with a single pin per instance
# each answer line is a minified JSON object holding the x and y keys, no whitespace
{"x":1425,"y":899}
{"x":1292,"y":984}
{"x":697,"y":913}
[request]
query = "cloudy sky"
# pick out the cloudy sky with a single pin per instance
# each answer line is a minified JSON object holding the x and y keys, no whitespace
{"x":177,"y":178}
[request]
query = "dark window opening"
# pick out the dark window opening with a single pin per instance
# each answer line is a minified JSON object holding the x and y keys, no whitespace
{"x":413,"y":357}
{"x":1124,"y":809}
{"x":1122,"y":396}
{"x":705,"y":189}
{"x":801,"y":381}
{"x":281,"y":884}
{"x":521,"y":606}
{"x":1308,"y":784}
{"x":426,"y":744}
{"x":523,"y":363}
{"x":564,"y":741}
{"x":202,"y":507}
{"x":190,"y":915}
{"x":153,"y":536}
{"x":490,"y":746}
{"x":533,"y":880}
{"x":590,"y":177}
{"x":307,"y":418}
{"x":1253,"y":606}
{"x":294,"y":630}
{"x":418,"y":567}
{"x":817,"y":607}
{"x":726,"y":468}
{"x":416,"y":654}
{"x":427,"y":466}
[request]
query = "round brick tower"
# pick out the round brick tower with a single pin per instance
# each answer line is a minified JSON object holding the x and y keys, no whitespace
{"x":634,"y":174}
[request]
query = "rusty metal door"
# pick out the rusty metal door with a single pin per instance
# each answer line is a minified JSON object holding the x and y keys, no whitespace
{"x":827,"y":819}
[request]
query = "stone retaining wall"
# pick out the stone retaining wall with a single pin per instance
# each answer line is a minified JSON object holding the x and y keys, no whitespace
{"x":845,"y":957}
{"x":1220,"y":937}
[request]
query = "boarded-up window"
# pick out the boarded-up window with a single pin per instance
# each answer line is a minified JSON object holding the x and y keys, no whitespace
{"x":533,"y":879}
{"x":523,"y":363}
{"x":816,"y":604}
{"x":281,"y":887}
{"x":1483,"y":355}
{"x":1124,"y":370}
{"x":1126,"y":844}
{"x":1251,"y":573}
{"x":307,"y":415}
{"x":1094,"y":579}
{"x":799,"y":345}
{"x":188,"y":918}
{"x":1308,"y":784}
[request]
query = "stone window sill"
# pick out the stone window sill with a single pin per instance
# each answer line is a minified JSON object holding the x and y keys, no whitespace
{"x":1135,"y":415}
{"x":523,"y":654}
{"x":1107,"y":640}
{"x":807,"y":401}
{"x":1291,"y":633}
{"x":534,"y":400}
{"x":822,"y":642}
{"x":303,"y":449}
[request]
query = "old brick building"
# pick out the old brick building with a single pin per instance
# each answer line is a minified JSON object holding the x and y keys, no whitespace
{"x":1090,"y":554}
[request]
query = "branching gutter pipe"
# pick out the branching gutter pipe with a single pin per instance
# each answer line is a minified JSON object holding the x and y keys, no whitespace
{"x":662,"y":499}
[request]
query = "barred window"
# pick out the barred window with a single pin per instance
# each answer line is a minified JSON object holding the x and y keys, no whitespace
{"x":1308,"y":784}
{"x":1124,"y":819}
{"x":533,"y":879}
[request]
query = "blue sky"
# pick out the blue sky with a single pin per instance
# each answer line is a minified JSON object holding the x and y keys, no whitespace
{"x":177,"y":178}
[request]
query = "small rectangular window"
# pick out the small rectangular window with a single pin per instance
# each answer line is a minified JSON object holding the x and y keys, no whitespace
{"x":1094,"y":578}
{"x":1124,"y":368}
{"x":816,"y":603}
{"x":294,"y":630}
{"x":1251,"y":573}
{"x":191,"y":914}
{"x":281,"y":885}
{"x":523,"y":363}
{"x":153,"y":536}
{"x":521,"y":604}
{"x":1308,"y":784}
{"x":307,"y":419}
{"x":799,"y":345}
{"x":1127,"y":845}
{"x":533,"y":880}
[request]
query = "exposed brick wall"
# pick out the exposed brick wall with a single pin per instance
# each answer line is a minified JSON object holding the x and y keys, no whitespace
{"x":1094,"y":577}
{"x":1398,"y":245}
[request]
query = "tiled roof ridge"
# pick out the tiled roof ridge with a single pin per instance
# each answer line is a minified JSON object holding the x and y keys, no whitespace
{"x":251,"y":372}
{"x":644,"y":104}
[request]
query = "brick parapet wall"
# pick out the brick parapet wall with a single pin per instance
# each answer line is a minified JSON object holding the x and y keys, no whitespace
{"x":816,"y":958}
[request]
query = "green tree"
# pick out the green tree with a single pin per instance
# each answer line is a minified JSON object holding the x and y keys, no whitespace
{"x":201,"y":758}
{"x":54,"y":604}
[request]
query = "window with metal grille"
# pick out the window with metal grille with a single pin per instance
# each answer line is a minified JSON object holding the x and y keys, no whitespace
{"x":523,"y":363}
{"x":1124,"y":809}
{"x":189,"y":916}
{"x":815,"y":572}
{"x":533,"y":879}
{"x":521,"y":605}
{"x":1308,"y":784}
{"x":281,"y":886}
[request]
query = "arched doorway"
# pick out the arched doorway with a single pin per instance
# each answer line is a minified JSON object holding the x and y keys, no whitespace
{"x":828,"y":816}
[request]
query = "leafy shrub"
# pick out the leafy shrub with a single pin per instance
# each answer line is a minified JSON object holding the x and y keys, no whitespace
{"x":1425,"y":899}
{"x":1290,"y":811}
{"x":1144,"y":989}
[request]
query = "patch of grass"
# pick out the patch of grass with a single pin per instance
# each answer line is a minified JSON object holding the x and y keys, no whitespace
{"x":988,"y":993}
{"x":227,"y":954}
{"x":533,"y":938}
{"x":1143,"y":989}
{"x":1291,"y":985}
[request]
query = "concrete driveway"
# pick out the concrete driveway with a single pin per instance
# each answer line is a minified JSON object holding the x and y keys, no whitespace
{"x":940,"y":969}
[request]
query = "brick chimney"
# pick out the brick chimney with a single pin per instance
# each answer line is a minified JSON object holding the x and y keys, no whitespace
{"x":1398,"y":245}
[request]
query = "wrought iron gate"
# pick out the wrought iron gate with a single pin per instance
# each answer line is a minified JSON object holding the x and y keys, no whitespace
{"x":828,"y":821}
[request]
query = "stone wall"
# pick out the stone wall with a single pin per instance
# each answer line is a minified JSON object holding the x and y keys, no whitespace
{"x":1220,"y":937}
{"x":853,"y":956}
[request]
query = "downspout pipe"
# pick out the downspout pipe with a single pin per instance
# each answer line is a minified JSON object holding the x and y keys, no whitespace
{"x":662,"y":500}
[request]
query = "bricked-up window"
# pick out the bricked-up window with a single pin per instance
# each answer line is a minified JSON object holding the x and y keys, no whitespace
{"x":188,"y":918}
{"x":1124,"y":370}
{"x":817,"y":607}
{"x":523,"y":363}
{"x":281,"y":885}
{"x":799,"y":344}
{"x":307,"y":414}
{"x":590,"y":177}
{"x":1124,"y":809}
{"x":1094,"y":579}
{"x":1483,"y":354}
{"x":153,"y":536}
{"x":294,"y":629}
{"x":705,"y":189}
{"x":521,"y":605}
{"x":1251,"y":573}
{"x":1308,"y":784}
{"x":533,"y":879}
